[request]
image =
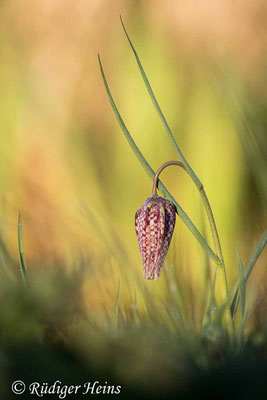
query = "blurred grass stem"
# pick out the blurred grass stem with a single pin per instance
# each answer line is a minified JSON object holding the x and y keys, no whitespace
{"x":23,"y":268}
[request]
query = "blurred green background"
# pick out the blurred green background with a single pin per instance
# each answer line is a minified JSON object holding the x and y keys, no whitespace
{"x":65,"y":163}
{"x":67,"y":167}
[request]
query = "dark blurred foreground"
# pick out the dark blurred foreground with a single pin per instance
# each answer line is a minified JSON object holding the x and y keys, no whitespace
{"x":47,"y":337}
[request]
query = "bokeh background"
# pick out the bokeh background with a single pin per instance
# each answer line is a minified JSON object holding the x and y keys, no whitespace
{"x":67,"y":167}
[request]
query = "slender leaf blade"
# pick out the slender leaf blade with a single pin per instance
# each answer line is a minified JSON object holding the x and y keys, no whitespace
{"x":181,"y":213}
{"x":158,"y":109}
{"x":242,"y":287}
{"x":243,"y":322}
{"x":232,"y":298}
{"x":23,"y":268}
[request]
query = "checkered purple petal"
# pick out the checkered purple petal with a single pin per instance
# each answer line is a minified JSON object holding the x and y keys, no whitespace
{"x":154,"y":225}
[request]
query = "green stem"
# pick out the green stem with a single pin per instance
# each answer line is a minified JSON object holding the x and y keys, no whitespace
{"x":151,"y":174}
{"x":186,"y":166}
{"x":233,"y":295}
{"x":218,"y":250}
{"x":215,"y":236}
{"x":23,"y":268}
{"x":161,"y":168}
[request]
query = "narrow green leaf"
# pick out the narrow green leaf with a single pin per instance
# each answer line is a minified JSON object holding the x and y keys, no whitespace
{"x":242,"y":287}
{"x":151,"y":174}
{"x":243,"y":322}
{"x":188,"y":168}
{"x":23,"y":268}
{"x":158,"y":109}
{"x":257,"y":252}
{"x":233,"y":295}
{"x":127,"y":134}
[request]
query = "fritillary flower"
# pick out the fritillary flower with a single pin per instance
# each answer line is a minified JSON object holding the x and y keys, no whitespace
{"x":154,"y":225}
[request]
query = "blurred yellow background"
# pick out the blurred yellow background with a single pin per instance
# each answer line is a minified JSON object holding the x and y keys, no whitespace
{"x":67,"y":167}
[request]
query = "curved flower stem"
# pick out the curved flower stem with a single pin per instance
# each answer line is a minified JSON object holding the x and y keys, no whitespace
{"x":221,"y":271}
{"x":160,"y":169}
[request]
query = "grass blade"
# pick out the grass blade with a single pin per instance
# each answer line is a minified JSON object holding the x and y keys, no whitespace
{"x":242,"y":285}
{"x":187,"y":221}
{"x":243,"y":322}
{"x":233,"y":295}
{"x":23,"y":268}
{"x":257,"y":252}
{"x":158,"y":109}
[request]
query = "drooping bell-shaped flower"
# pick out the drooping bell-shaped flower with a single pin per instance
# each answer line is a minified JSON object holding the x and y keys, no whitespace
{"x":154,"y":225}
